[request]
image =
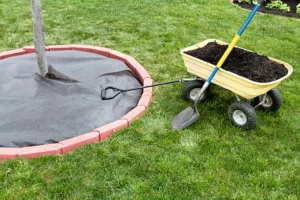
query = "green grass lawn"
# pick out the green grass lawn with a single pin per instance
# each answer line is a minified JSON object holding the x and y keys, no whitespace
{"x":210,"y":159}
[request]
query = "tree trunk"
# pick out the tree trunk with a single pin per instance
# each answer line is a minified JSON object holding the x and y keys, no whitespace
{"x":39,"y":36}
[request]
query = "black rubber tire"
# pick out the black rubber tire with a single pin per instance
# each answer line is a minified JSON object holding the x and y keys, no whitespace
{"x":190,"y":86}
{"x":245,"y":112}
{"x":274,"y":100}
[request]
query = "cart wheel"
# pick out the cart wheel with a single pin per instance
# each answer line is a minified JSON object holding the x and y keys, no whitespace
{"x":273,"y":100}
{"x":242,"y":115}
{"x":191,"y":90}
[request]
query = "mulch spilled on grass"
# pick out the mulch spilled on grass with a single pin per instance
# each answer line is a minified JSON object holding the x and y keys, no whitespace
{"x":247,"y":64}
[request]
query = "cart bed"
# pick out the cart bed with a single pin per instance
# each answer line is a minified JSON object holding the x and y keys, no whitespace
{"x":228,"y":80}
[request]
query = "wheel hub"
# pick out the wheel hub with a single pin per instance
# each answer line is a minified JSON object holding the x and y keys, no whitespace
{"x":268,"y":102}
{"x":194,"y":93}
{"x":239,"y":117}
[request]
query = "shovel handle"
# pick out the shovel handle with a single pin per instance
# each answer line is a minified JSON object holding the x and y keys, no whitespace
{"x":103,"y":93}
{"x":227,"y":52}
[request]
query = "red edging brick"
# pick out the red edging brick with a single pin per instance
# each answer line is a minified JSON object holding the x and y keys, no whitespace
{"x":36,"y":151}
{"x":145,"y":100}
{"x":141,"y":73}
{"x":9,"y":153}
{"x":149,"y":90}
{"x":59,"y":47}
{"x":72,"y":143}
{"x":29,"y":49}
{"x":16,"y":52}
{"x":101,"y":51}
{"x":131,"y":63}
{"x":86,"y":48}
{"x":117,"y":55}
{"x":106,"y":130}
{"x":137,"y":68}
{"x":134,"y":114}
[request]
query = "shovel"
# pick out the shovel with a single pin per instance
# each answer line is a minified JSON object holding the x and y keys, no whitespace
{"x":191,"y":114}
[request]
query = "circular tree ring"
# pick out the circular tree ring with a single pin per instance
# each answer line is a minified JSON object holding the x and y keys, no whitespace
{"x":96,"y":134}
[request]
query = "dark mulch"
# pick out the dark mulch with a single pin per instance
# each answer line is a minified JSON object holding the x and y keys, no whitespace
{"x":263,"y":9}
{"x":247,"y":64}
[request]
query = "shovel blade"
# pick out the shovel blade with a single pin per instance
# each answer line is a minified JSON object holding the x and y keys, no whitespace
{"x":185,"y":118}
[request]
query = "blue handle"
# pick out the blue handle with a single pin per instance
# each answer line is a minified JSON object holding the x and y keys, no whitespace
{"x":251,"y":15}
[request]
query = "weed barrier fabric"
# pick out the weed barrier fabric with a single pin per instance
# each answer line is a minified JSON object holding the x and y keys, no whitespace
{"x":35,"y":110}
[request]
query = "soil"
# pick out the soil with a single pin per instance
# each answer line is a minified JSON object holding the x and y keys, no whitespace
{"x":263,"y":9}
{"x":247,"y":64}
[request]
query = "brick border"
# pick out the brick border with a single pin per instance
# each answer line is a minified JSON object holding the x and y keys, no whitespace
{"x":98,"y":134}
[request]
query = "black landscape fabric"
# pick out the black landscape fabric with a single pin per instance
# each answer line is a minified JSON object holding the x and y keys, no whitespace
{"x":35,"y":110}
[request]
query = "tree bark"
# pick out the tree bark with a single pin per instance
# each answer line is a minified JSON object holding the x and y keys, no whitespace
{"x":39,"y":36}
